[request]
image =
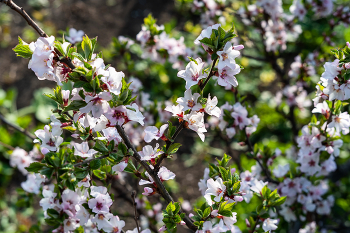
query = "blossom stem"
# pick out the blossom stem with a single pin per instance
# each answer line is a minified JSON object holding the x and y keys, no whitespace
{"x":330,"y":118}
{"x":209,"y":76}
{"x":255,"y":225}
{"x":16,"y":127}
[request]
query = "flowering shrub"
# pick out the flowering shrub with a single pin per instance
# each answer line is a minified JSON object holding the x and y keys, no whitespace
{"x":103,"y":122}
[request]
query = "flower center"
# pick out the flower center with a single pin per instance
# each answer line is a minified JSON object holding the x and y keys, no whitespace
{"x":190,"y":103}
{"x":224,"y":56}
{"x":99,"y":205}
{"x":51,"y":143}
{"x":195,"y":77}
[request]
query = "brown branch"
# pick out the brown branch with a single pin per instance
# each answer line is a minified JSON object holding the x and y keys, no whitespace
{"x":133,"y":195}
{"x":24,"y":14}
{"x":40,"y":31}
{"x":7,"y":146}
{"x":16,"y":127}
{"x":160,"y":187}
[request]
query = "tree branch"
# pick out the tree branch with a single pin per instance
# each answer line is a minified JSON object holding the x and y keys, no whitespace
{"x":161,"y":189}
{"x":16,"y":127}
{"x":133,"y":195}
{"x":40,"y":31}
{"x":24,"y":14}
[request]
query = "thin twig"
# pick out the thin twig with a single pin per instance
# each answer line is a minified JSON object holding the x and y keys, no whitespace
{"x":24,"y":14}
{"x":250,"y":146}
{"x":133,"y":195}
{"x":16,"y":127}
{"x":40,"y":31}
{"x":159,"y":185}
{"x":256,"y":224}
{"x":89,"y":160}
{"x":7,"y":146}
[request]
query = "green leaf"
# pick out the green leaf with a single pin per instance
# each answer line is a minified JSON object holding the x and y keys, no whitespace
{"x":86,"y":45}
{"x":173,"y":148}
{"x":236,"y":187}
{"x":170,"y":208}
{"x":75,"y":105}
{"x":81,"y":173}
{"x":47,"y":172}
{"x":223,"y":173}
{"x":22,"y":50}
{"x":35,"y":167}
{"x":79,"y":56}
{"x":122,"y":147}
{"x":100,"y":174}
{"x":194,"y":60}
{"x":208,"y":42}
{"x":100,"y":146}
{"x":58,"y":46}
{"x":95,"y":164}
{"x":206,"y":212}
{"x":280,"y":201}
{"x":53,"y":213}
{"x":177,"y":208}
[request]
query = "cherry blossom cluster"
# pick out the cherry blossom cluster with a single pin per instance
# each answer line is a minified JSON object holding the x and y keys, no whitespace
{"x":293,"y":96}
{"x":158,"y":46}
{"x":88,"y":206}
{"x":234,"y":118}
{"x":211,"y":11}
{"x":319,"y":145}
{"x":278,"y":29}
{"x":226,"y":190}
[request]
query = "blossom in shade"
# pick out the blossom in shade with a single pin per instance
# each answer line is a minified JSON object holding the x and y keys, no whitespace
{"x":280,"y":171}
{"x":48,"y":139}
{"x":211,"y":107}
{"x":196,"y":123}
{"x":83,"y":150}
{"x":74,"y":35}
{"x":206,"y":33}
{"x":20,"y":159}
{"x":112,"y":79}
{"x":270,"y":224}
{"x":97,"y":104}
{"x":120,"y":166}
